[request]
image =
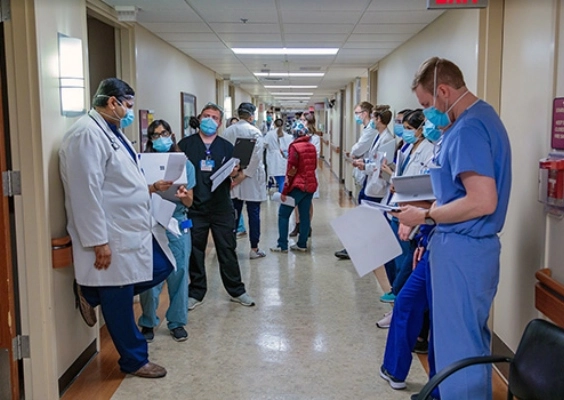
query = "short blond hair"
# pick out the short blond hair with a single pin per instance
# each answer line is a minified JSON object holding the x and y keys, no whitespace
{"x":446,"y":72}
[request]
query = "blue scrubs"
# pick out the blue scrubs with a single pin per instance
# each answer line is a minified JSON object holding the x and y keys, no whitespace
{"x":464,"y":257}
{"x":177,"y":281}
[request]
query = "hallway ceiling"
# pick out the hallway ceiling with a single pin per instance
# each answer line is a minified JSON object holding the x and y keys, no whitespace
{"x":364,"y":31}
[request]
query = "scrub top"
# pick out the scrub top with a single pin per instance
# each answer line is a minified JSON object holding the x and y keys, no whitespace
{"x":476,"y":142}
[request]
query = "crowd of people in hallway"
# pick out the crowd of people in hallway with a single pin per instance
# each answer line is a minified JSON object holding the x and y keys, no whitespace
{"x":442,"y":284}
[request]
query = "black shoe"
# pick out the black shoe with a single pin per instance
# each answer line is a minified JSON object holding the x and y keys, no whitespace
{"x":86,"y":310}
{"x":421,"y":347}
{"x":296,"y":230}
{"x":179,"y":334}
{"x":342,"y":254}
{"x":149,"y":334}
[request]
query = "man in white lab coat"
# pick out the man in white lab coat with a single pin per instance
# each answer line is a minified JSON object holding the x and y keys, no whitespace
{"x":250,"y":185}
{"x":109,"y":220}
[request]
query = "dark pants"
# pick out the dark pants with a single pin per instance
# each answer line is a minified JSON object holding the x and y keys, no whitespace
{"x":223,"y":232}
{"x":253,"y":212}
{"x":303,"y":202}
{"x":116,"y":303}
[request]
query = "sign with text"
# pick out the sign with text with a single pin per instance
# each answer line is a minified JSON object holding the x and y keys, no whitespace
{"x":557,"y":141}
{"x":454,"y":4}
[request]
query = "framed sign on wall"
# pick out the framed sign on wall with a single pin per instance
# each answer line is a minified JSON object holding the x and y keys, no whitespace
{"x":187,"y":110}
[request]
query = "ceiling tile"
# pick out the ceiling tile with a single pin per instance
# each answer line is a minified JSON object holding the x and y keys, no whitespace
{"x":245,"y":28}
{"x":317,"y":28}
{"x":382,"y":37}
{"x":316,"y":5}
{"x":399,"y":17}
{"x":177,"y":27}
{"x":250,"y":37}
{"x":388,"y":28}
{"x":189,"y":37}
{"x":398,"y":5}
{"x":321,"y":16}
{"x":316,"y":37}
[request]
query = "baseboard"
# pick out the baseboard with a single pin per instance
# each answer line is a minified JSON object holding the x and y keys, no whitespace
{"x":501,"y":349}
{"x":72,"y":372}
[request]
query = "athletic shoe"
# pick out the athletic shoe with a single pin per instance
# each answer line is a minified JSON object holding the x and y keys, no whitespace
{"x":256,"y":254}
{"x":244,"y":300}
{"x":394,"y":383}
{"x":385,"y":322}
{"x":298,"y":248}
{"x":179,"y":334}
{"x":278,"y":249}
{"x":150,"y":370}
{"x":149,"y":334}
{"x":342,"y":254}
{"x":193,"y":303}
{"x":388,"y":298}
{"x":241,"y":234}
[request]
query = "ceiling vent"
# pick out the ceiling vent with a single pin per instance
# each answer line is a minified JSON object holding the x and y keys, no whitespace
{"x":272,"y":79}
{"x":126,"y":13}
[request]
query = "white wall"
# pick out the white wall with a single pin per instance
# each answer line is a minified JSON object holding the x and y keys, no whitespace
{"x":454,"y":35}
{"x":162,"y":73}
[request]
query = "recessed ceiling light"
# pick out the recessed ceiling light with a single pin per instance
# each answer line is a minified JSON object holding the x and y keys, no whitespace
{"x":291,"y":74}
{"x":292,"y":87}
{"x":292,"y":94}
{"x":282,"y":51}
{"x":292,"y":98}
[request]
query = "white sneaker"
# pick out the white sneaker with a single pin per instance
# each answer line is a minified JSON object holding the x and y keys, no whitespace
{"x":385,"y":322}
{"x":244,"y":300}
{"x":193,"y":303}
{"x":295,"y":247}
{"x":256,"y":254}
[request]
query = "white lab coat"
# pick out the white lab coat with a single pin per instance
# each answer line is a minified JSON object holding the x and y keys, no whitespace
{"x":107,"y":201}
{"x":378,"y":185}
{"x":420,"y":160}
{"x":253,"y":187}
{"x":361,"y":148}
{"x":275,"y":161}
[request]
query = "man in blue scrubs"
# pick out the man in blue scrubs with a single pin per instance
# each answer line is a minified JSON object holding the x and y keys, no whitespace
{"x":471,"y":179}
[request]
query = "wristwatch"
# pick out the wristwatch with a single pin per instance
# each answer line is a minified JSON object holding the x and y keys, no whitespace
{"x":428,"y":219}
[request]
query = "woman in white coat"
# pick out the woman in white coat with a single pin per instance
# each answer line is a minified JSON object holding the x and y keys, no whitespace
{"x":250,"y":185}
{"x":109,"y":220}
{"x":276,"y":143}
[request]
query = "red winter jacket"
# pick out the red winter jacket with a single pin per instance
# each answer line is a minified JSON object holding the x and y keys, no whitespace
{"x":302,"y":161}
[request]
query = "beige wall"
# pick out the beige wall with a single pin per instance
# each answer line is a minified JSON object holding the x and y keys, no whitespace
{"x":162,"y":73}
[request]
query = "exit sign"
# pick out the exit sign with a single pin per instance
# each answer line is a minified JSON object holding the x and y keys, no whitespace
{"x":452,"y":4}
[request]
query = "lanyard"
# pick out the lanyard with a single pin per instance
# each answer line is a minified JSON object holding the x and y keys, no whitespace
{"x":113,"y":143}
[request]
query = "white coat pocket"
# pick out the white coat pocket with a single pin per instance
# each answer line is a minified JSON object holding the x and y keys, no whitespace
{"x":127,"y":234}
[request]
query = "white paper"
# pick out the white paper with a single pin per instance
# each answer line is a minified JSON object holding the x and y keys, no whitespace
{"x":388,"y":150}
{"x":223,"y":173}
{"x":289,"y":200}
{"x":368,"y":238}
{"x":380,"y":206}
{"x":175,"y":167}
{"x":162,"y":210}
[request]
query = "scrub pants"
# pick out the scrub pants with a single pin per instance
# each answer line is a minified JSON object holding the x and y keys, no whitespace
{"x":117,"y":308}
{"x":280,"y":182}
{"x":464,"y":279}
{"x":253,"y":213}
{"x":303,"y":202}
{"x":407,"y":319}
{"x":177,"y":284}
{"x":222,"y":227}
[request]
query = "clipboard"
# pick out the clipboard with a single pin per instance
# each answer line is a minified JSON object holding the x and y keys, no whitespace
{"x":243,"y":150}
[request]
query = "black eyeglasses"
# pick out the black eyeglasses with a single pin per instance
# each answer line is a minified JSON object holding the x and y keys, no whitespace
{"x":163,"y":133}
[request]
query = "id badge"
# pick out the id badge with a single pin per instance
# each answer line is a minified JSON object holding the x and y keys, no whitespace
{"x":207,"y":165}
{"x":185,"y":225}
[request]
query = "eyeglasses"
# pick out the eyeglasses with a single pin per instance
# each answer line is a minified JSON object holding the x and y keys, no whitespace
{"x":397,"y":121}
{"x":163,"y":133}
{"x":358,"y":112}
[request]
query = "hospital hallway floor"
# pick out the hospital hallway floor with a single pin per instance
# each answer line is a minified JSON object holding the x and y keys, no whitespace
{"x":311,"y":335}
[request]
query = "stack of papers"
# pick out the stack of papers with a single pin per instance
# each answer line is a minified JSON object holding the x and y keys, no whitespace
{"x":164,"y":166}
{"x":223,"y":173}
{"x":289,"y":200}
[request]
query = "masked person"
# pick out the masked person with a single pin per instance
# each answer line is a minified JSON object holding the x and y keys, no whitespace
{"x":212,"y":210}
{"x":162,"y":140}
{"x":118,"y":252}
{"x":268,"y":123}
{"x":471,"y":176}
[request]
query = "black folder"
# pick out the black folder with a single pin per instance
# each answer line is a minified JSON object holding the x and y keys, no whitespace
{"x":243,"y":150}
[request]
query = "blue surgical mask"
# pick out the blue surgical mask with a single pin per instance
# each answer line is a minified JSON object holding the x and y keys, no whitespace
{"x":409,"y":136}
{"x":162,"y":144}
{"x":208,"y":126}
{"x":436,"y":117}
{"x":357,"y":119}
{"x":372,"y":124}
{"x":398,"y":130}
{"x":430,"y":132}
{"x":269,"y":118}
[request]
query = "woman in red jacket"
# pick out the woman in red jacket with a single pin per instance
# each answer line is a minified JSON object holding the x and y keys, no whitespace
{"x":300,"y":184}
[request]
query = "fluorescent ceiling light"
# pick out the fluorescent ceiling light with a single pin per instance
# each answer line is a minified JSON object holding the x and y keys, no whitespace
{"x":283,"y":50}
{"x":291,"y":74}
{"x":292,"y":87}
{"x":292,"y":98}
{"x":292,"y":94}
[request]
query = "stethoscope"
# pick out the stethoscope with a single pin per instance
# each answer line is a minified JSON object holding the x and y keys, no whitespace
{"x":112,"y":140}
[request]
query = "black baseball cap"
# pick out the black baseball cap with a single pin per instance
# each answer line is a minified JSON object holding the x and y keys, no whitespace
{"x":247,"y":108}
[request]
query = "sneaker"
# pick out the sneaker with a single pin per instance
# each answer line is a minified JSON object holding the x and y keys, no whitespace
{"x":150,"y":370}
{"x":193,"y":303}
{"x":342,"y":254}
{"x":149,"y":334}
{"x":86,"y":310}
{"x":298,"y":248}
{"x":278,"y":249}
{"x":256,"y":254}
{"x":241,"y":234}
{"x":385,"y":322}
{"x":394,"y":383}
{"x":296,"y":230}
{"x":388,"y":298}
{"x":179,"y":334}
{"x":421,"y":346}
{"x":244,"y":300}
